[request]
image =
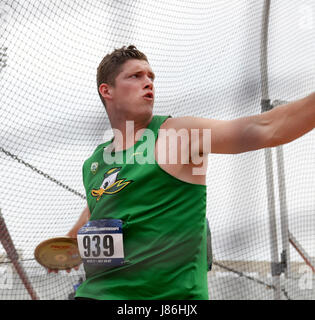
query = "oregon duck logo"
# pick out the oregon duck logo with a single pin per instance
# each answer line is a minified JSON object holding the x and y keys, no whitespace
{"x":110,"y":184}
{"x":94,"y":167}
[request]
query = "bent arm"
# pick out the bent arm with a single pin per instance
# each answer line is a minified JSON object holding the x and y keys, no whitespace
{"x":83,"y":219}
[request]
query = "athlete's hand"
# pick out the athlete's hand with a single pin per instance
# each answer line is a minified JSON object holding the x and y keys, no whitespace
{"x":68,"y":270}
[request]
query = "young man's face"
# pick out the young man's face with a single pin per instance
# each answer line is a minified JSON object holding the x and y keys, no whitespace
{"x":133,"y":92}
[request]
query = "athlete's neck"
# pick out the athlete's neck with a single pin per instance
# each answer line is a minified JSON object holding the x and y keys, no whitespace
{"x":127,"y":134}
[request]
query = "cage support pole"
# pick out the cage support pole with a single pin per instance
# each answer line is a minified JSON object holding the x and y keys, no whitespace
{"x":297,"y":246}
{"x":265,"y":106}
{"x":285,"y":256}
{"x":9,"y":247}
{"x":284,"y":220}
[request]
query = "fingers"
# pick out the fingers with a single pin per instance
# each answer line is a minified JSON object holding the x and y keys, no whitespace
{"x":75,"y":268}
{"x":68,"y":270}
{"x":52,"y":270}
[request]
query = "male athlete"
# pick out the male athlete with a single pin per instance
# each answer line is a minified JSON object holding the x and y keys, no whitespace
{"x":156,"y":188}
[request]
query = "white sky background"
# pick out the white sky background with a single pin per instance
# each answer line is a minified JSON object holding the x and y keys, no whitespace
{"x":206,"y":58}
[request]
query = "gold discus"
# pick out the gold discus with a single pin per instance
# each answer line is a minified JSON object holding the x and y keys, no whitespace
{"x":58,"y":253}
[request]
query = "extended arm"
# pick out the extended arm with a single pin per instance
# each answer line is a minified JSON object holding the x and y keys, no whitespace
{"x":278,"y":126}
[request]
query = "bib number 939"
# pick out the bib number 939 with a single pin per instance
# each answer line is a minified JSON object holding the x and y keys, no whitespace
{"x":100,"y":243}
{"x":97,"y":245}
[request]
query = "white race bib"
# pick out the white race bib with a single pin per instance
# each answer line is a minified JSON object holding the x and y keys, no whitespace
{"x":100,"y":242}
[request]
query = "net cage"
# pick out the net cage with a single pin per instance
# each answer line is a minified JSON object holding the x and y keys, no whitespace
{"x":212,"y":59}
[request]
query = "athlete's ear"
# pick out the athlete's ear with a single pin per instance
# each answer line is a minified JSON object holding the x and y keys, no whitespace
{"x":105,"y":91}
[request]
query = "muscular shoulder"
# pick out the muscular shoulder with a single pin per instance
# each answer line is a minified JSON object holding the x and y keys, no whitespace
{"x":178,"y":123}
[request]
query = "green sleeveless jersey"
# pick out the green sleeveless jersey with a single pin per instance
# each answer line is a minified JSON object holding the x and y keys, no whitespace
{"x":164,"y":227}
